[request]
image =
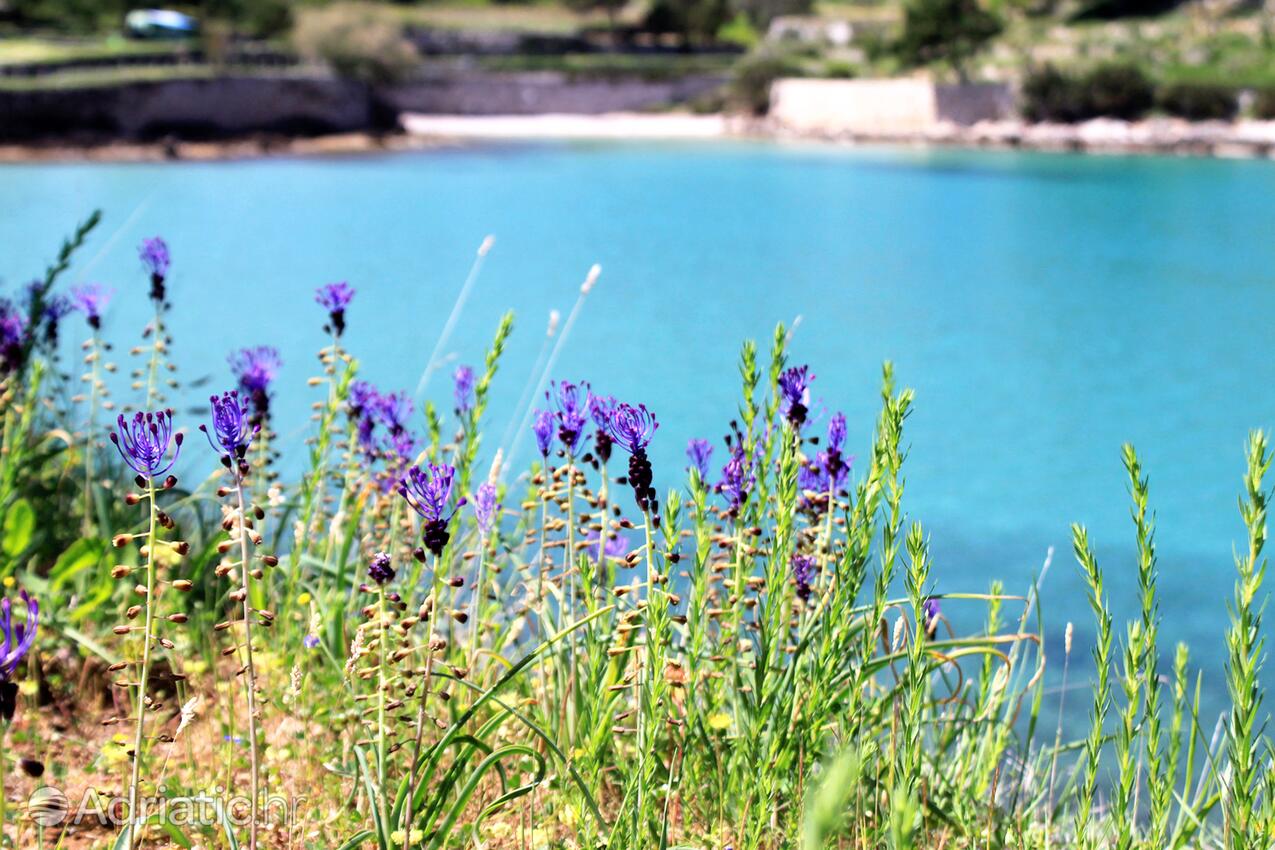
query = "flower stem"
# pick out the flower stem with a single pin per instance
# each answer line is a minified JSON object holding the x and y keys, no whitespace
{"x":249,"y":668}
{"x":134,"y":840}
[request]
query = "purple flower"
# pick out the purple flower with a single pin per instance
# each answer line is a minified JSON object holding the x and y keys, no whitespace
{"x":615,"y":548}
{"x":335,"y":297}
{"x":379,"y":570}
{"x":232,"y":430}
{"x":632,"y":428}
{"x":804,"y":570}
{"x":485,"y":506}
{"x":542,"y":427}
{"x":13,"y":337}
{"x":600,"y":410}
{"x":837,"y":432}
{"x":737,"y":477}
{"x":144,"y":441}
{"x":310,"y":641}
{"x":255,"y":368}
{"x":154,"y":255}
{"x":363,"y":397}
{"x":91,"y":300}
{"x":56,"y":309}
{"x":463,"y":378}
{"x":427,"y":494}
{"x":700,"y":454}
{"x":571,"y":401}
{"x":930,"y":613}
{"x":394,"y":411}
{"x":794,"y":389}
{"x":18,"y":640}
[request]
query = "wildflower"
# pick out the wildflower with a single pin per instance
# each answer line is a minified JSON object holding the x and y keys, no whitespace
{"x":255,"y":368}
{"x":335,"y":297}
{"x":231,"y":431}
{"x":719,"y":722}
{"x":632,"y":428}
{"x":427,"y":494}
{"x":380,"y":570}
{"x":310,"y":641}
{"x":600,"y":409}
{"x":363,"y":397}
{"x":18,"y":639}
{"x":542,"y":427}
{"x":463,"y":379}
{"x":55,"y":310}
{"x":144,"y":441}
{"x":154,"y":255}
{"x":614,"y":549}
{"x":394,"y":410}
{"x":485,"y":506}
{"x":13,"y":337}
{"x":737,"y":477}
{"x":91,"y":300}
{"x":828,"y":471}
{"x":930,"y":613}
{"x":700,"y":454}
{"x":571,"y":408}
{"x":794,"y":388}
{"x":804,"y":570}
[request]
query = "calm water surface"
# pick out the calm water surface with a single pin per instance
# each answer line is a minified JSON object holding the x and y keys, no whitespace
{"x":1046,"y":308}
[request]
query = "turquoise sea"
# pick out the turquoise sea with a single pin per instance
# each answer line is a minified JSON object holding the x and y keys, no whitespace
{"x":1046,"y":308}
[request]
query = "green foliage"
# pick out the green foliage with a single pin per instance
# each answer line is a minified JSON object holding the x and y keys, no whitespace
{"x":950,"y":32}
{"x":739,"y":30}
{"x":358,"y":43}
{"x":753,"y":74}
{"x":1115,"y":90}
{"x":1199,"y":101}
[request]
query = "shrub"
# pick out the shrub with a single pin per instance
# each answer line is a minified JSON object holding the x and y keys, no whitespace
{"x":948,"y":31}
{"x":1264,"y":104}
{"x":1050,"y":95}
{"x":1200,"y":101}
{"x":357,"y":43}
{"x":1119,"y":90}
{"x":752,"y":76}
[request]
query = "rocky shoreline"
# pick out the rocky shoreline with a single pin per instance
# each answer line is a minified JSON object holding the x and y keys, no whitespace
{"x":1162,"y":137}
{"x":1156,"y":136}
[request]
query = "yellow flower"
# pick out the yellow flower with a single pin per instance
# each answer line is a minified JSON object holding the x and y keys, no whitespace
{"x":719,"y":722}
{"x":398,"y":835}
{"x":9,"y":582}
{"x":303,"y":599}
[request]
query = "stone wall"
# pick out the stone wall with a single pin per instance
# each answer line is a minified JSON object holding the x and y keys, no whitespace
{"x":225,"y":107}
{"x":883,"y":106}
{"x":542,"y":92}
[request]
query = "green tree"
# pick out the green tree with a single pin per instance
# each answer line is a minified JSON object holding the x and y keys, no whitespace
{"x":948,"y":31}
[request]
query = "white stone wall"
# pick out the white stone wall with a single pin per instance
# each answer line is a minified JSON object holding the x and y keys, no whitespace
{"x":900,"y":106}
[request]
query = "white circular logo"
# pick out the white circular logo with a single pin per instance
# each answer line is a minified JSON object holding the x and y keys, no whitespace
{"x":48,"y":806}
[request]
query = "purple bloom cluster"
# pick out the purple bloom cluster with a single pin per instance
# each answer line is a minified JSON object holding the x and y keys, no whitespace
{"x":632,"y":428}
{"x":700,"y":453}
{"x":255,"y":368}
{"x":379,"y":570}
{"x":381,"y":425}
{"x":830,"y":467}
{"x":738,"y":475}
{"x":91,"y":299}
{"x":154,"y":255}
{"x":232,"y":429}
{"x":572,"y":404}
{"x":804,"y":570}
{"x":930,"y":613}
{"x":542,"y":427}
{"x":427,"y":493}
{"x":463,"y":380}
{"x":614,"y":549}
{"x":600,"y":411}
{"x":144,"y":441}
{"x":13,"y":337}
{"x":794,"y":394}
{"x":18,"y":640}
{"x":485,"y":506}
{"x":335,"y":297}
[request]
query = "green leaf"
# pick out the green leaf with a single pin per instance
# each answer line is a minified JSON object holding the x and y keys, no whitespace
{"x":79,"y":556}
{"x":19,"y":526}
